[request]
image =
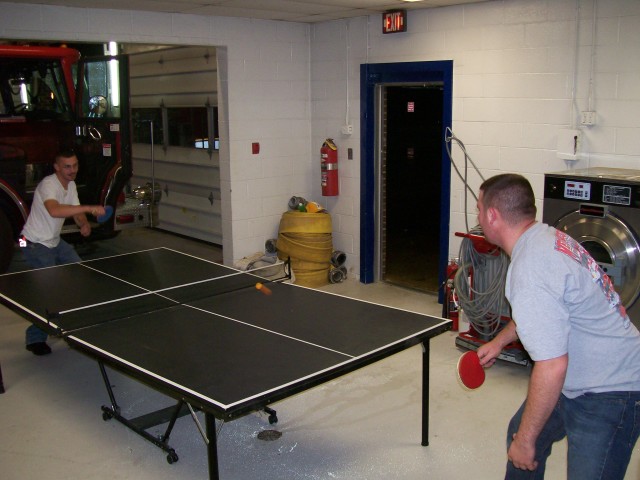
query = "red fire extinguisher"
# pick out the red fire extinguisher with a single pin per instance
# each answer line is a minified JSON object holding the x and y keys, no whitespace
{"x":329,"y":168}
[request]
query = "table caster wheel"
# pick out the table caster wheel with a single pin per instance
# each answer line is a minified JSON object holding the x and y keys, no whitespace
{"x":172,"y":457}
{"x":273,"y":417}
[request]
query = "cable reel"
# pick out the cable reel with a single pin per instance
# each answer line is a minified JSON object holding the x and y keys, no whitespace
{"x":479,"y":284}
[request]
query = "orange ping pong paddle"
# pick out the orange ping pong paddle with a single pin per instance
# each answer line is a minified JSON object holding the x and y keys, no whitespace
{"x":263,"y":288}
{"x":470,"y":372}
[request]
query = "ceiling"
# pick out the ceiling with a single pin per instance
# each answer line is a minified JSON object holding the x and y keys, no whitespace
{"x":305,"y":11}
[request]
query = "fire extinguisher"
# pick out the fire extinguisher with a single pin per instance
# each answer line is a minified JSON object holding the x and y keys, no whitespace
{"x":451,"y":307}
{"x":329,"y":168}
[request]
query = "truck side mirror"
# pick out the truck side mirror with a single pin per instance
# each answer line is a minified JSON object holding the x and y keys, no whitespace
{"x":97,"y":106}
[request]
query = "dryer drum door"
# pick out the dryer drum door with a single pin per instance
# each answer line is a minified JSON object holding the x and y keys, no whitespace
{"x":613,"y":245}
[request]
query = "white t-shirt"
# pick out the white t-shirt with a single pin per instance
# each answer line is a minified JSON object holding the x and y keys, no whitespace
{"x":40,"y":226}
{"x":563,"y":303}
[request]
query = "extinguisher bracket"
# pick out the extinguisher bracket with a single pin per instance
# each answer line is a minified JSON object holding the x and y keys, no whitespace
{"x":329,"y":168}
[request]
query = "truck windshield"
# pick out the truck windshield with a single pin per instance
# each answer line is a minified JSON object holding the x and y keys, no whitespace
{"x":33,"y":88}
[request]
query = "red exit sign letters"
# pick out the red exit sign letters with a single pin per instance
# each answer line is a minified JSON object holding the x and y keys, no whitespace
{"x":394,"y":21}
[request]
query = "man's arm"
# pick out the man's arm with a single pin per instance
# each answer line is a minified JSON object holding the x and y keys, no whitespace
{"x":545,"y":386}
{"x":59,"y":210}
{"x":83,"y":224}
{"x":490,"y":350}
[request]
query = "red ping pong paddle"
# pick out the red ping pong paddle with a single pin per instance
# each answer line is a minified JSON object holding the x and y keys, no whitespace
{"x":470,"y":372}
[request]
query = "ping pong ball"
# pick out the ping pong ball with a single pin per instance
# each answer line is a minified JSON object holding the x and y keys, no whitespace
{"x":263,"y":289}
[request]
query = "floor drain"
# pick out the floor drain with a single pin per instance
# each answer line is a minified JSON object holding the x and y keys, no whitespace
{"x":269,"y":435}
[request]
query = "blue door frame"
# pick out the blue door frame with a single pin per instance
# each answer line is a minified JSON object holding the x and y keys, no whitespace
{"x":398,"y":73}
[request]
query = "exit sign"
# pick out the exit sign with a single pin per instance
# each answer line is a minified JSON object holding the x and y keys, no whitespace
{"x":394,"y":21}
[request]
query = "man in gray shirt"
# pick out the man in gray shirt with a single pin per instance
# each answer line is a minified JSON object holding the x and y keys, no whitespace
{"x":585,"y":383}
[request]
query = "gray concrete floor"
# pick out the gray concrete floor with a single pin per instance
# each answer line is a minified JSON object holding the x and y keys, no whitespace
{"x":365,"y":425}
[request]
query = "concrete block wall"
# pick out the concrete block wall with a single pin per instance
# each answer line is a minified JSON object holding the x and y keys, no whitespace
{"x":289,"y":86}
{"x":337,"y":50}
{"x":515,"y":66}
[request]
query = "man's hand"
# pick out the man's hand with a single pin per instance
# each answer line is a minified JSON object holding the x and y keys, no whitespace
{"x":488,"y":353}
{"x":522,"y":454}
{"x":85,"y":229}
{"x":97,"y":210}
{"x":81,"y":219}
{"x":545,"y":386}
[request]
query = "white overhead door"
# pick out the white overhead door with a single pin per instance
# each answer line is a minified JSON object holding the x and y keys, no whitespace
{"x":174,"y":92}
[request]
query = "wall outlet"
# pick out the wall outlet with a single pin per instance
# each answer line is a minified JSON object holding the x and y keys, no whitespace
{"x":347,"y":129}
{"x":588,"y":118}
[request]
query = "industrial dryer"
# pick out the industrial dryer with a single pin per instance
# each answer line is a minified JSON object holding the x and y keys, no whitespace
{"x":600,"y":208}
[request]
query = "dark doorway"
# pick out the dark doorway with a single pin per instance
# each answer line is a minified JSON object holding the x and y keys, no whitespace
{"x":375,"y":78}
{"x":410,"y":172}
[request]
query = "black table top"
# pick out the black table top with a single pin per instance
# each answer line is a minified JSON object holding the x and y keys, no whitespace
{"x":163,"y":317}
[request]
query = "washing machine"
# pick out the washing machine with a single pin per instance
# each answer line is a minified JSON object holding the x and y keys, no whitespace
{"x":600,"y":208}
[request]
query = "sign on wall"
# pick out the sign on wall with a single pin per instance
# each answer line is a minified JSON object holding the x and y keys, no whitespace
{"x":394,"y":21}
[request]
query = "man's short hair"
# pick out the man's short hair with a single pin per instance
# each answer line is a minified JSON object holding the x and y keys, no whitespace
{"x":511,"y":194}
{"x":65,"y":153}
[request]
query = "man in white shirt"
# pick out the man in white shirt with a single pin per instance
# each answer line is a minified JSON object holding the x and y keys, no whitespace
{"x":55,"y":199}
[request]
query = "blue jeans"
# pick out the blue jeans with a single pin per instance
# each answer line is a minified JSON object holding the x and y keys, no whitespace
{"x":601,"y":431}
{"x":38,"y":256}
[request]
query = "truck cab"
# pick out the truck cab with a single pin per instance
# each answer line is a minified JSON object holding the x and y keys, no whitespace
{"x":52,"y":99}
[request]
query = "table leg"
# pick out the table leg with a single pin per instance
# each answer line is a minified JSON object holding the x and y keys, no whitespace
{"x":212,"y":445}
{"x":141,"y":424}
{"x":425,"y":393}
{"x":1,"y":383}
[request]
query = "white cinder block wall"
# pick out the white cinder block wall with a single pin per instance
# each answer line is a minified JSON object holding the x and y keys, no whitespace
{"x":515,"y":65}
{"x":289,"y":86}
{"x":268,"y":103}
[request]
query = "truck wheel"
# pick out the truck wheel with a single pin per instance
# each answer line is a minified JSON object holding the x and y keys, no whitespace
{"x":6,"y":243}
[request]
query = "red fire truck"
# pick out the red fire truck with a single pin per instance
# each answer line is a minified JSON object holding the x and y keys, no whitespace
{"x":52,"y":99}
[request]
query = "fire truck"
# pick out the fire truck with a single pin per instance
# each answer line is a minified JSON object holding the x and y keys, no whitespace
{"x":51,"y":99}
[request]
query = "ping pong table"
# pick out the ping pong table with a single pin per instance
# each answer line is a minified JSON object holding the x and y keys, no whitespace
{"x":202,"y":334}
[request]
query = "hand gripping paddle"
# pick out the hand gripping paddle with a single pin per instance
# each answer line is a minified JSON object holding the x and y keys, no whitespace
{"x":470,"y":372}
{"x":108,"y":211}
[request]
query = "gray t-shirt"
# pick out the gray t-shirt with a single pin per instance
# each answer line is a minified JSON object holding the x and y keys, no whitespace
{"x":562,"y":302}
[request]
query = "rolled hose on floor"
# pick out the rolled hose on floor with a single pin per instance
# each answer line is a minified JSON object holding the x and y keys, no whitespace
{"x":306,"y":239}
